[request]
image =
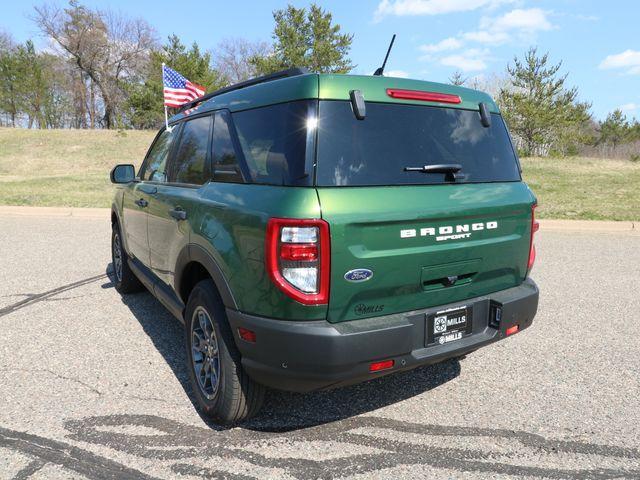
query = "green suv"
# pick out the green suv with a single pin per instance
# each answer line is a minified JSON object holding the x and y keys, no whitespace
{"x":313,"y":231}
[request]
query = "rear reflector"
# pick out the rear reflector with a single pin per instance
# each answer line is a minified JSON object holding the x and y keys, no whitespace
{"x":512,"y":330}
{"x":535,"y":226}
{"x":378,"y":366}
{"x":247,"y":335}
{"x":423,"y":96}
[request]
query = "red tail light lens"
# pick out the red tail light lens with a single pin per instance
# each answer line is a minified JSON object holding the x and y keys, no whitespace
{"x":297,"y":258}
{"x":296,"y":252}
{"x":535,"y":226}
{"x":423,"y":96}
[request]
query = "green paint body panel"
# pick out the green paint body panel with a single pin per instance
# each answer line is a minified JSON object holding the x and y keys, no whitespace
{"x":335,"y":87}
{"x":365,"y":227}
{"x":374,"y":89}
{"x":229,"y":221}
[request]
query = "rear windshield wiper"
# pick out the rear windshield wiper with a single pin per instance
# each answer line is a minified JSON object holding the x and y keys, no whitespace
{"x":450,"y":169}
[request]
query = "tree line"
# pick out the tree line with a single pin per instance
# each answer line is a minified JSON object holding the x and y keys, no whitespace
{"x":103,"y":70}
{"x":546,"y":117}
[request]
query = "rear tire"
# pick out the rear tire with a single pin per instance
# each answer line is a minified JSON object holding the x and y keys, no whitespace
{"x":223,"y":390}
{"x":124,"y":278}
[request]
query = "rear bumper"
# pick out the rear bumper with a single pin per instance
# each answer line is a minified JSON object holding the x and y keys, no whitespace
{"x":302,"y":356}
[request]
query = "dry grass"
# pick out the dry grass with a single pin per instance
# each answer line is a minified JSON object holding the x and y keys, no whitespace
{"x":71,"y":168}
{"x":64,"y":167}
{"x":585,"y":188}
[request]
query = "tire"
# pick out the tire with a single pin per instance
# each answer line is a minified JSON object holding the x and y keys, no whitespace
{"x":124,"y":279}
{"x":227,"y":395}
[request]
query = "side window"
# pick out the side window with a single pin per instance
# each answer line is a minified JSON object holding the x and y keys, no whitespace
{"x":277,"y":142}
{"x":155,"y":168}
{"x":190,"y":161}
{"x":225,"y":161}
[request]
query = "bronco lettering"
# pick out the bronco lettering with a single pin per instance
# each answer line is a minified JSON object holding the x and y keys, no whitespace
{"x":446,"y":232}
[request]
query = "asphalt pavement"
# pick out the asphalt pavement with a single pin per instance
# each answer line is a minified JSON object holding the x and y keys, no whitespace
{"x":94,"y":385}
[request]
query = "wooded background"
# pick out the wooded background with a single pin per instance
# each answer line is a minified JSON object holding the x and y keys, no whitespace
{"x":102,"y":69}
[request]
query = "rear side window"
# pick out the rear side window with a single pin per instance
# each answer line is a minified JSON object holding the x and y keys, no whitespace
{"x":155,"y":167}
{"x":224,"y":160}
{"x":278,"y":142}
{"x":375,"y":151}
{"x":190,"y":163}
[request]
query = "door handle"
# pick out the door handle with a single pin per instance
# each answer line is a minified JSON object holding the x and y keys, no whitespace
{"x":178,"y":213}
{"x":148,"y":189}
{"x":141,"y":202}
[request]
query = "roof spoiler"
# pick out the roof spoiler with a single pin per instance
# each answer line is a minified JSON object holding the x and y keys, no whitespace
{"x":291,"y":72}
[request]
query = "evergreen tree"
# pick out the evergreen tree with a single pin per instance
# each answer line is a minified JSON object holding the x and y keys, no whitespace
{"x":456,"y":78}
{"x":306,"y":38}
{"x":615,"y":129}
{"x":542,"y":113}
{"x":146,"y":101}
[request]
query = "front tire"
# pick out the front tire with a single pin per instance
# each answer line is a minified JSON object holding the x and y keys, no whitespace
{"x":124,"y":279}
{"x":223,"y":390}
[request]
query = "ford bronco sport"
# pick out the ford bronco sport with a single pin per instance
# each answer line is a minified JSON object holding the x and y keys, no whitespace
{"x":313,"y":231}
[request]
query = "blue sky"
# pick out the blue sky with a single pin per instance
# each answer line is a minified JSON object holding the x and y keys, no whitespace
{"x":598,"y":42}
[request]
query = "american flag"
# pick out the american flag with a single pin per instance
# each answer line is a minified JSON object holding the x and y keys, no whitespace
{"x":177,"y":89}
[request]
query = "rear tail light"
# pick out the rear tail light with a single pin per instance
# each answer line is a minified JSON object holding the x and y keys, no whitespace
{"x":297,"y":258}
{"x":423,"y":96}
{"x":535,"y":226}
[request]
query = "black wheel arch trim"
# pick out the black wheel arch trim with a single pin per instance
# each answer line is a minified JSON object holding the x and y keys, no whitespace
{"x":195,"y":253}
{"x":123,"y":239}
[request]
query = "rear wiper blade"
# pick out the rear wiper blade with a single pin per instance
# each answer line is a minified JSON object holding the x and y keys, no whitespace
{"x":449,"y":169}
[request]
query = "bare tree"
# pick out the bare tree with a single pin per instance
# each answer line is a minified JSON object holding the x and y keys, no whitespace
{"x":232,"y":55}
{"x":6,"y":42}
{"x":106,"y":47}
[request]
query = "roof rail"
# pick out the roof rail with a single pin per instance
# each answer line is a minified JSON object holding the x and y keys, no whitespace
{"x":291,"y":72}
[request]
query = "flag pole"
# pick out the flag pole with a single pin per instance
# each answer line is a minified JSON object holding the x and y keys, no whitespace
{"x":166,"y":115}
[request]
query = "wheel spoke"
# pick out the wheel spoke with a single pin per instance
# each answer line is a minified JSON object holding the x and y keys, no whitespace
{"x":203,"y":324}
{"x":197,"y":342}
{"x":203,"y":374}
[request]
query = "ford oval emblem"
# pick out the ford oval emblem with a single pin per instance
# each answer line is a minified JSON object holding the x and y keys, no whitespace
{"x":358,"y":275}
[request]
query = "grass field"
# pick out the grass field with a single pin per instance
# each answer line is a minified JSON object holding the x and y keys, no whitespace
{"x":71,"y":168}
{"x":64,"y":167}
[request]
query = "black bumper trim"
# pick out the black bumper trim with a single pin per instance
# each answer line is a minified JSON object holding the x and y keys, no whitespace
{"x":303,"y":356}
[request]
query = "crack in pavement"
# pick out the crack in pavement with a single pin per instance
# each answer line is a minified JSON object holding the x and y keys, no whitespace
{"x":68,"y":456}
{"x":57,"y":375}
{"x":38,"y":297}
{"x":91,"y":388}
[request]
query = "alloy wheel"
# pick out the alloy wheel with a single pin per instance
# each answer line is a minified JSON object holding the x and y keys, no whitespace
{"x":205,"y":356}
{"x":117,"y":257}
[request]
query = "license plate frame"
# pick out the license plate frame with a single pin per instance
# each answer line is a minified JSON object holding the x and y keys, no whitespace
{"x":450,"y":325}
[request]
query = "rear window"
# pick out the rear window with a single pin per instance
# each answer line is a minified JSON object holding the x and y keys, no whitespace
{"x":276,"y":144}
{"x":375,"y":151}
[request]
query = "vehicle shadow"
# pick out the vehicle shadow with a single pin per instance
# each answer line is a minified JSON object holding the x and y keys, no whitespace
{"x":285,"y":411}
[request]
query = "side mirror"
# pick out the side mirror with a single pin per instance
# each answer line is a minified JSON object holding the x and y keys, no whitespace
{"x":123,"y":173}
